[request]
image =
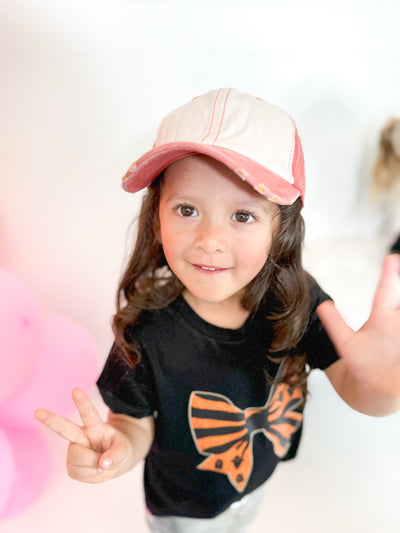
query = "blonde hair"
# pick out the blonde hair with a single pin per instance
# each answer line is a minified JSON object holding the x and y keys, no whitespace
{"x":386,"y":174}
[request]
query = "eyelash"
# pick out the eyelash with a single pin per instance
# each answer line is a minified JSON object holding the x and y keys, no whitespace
{"x":193,"y":211}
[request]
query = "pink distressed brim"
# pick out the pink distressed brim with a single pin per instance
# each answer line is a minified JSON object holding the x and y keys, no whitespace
{"x":145,"y":170}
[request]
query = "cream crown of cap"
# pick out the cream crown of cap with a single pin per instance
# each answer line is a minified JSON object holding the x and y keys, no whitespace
{"x":256,"y":140}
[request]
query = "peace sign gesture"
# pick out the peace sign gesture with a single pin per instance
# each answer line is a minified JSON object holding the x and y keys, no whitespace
{"x":99,"y":451}
{"x":368,"y":374}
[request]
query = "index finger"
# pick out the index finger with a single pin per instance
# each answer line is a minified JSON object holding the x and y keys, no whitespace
{"x":87,"y":411}
{"x":62,"y":426}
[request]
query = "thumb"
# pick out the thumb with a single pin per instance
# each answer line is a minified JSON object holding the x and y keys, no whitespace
{"x":115,"y":456}
{"x":105,"y":461}
{"x":334,"y":324}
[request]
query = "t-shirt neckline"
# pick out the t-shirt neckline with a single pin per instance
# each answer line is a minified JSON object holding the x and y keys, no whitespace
{"x":181,"y":306}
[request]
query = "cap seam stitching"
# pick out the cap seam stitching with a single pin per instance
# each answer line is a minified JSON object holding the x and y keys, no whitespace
{"x":222,"y":118}
{"x":212,"y":118}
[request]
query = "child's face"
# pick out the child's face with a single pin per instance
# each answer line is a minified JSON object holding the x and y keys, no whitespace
{"x":215,"y":230}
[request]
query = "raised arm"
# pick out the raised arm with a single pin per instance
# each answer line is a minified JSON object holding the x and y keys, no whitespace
{"x":367,"y":376}
{"x":98,"y":450}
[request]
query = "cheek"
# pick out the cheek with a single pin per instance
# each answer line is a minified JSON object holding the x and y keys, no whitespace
{"x":255,"y":249}
{"x":255,"y":259}
{"x":172,"y":246}
{"x":250,"y":261}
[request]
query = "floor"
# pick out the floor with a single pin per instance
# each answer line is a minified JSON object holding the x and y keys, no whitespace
{"x":345,"y":479}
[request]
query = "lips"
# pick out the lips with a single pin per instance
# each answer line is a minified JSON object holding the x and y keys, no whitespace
{"x":209,"y":269}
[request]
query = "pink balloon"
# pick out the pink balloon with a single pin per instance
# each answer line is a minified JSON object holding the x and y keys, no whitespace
{"x":33,"y":468}
{"x":67,"y":358}
{"x":20,"y":322}
{"x":7,"y":469}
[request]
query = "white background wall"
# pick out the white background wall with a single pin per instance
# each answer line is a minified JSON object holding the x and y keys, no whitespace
{"x":83,"y":86}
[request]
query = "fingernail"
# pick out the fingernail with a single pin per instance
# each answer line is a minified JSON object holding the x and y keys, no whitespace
{"x":106,"y":463}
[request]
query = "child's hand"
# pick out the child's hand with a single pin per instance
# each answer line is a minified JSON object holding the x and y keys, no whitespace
{"x":370,"y":356}
{"x":97,"y":451}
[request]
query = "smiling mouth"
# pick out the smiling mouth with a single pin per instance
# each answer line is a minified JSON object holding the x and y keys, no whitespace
{"x":205,"y":268}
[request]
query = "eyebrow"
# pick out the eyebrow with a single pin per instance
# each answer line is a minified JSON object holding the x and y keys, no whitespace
{"x":177,"y":195}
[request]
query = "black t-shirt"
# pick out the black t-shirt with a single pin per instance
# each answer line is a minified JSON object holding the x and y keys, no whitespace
{"x":220,"y":430}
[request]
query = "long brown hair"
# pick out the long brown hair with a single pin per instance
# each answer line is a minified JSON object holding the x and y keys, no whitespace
{"x":148,"y":284}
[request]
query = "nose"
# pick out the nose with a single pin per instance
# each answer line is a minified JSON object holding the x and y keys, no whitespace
{"x":211,"y":236}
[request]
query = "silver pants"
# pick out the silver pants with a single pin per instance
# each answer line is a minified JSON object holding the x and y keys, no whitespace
{"x":237,"y":518}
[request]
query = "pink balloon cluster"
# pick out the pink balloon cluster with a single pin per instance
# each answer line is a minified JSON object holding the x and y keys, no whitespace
{"x":42,"y":358}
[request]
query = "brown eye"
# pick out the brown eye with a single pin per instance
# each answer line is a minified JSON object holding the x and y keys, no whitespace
{"x":187,"y":210}
{"x":243,"y":217}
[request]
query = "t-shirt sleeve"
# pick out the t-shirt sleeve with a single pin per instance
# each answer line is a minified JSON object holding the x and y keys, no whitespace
{"x":316,"y":343}
{"x":124,"y":389}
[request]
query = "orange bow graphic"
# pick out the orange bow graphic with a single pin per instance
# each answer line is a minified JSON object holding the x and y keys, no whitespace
{"x":224,"y":432}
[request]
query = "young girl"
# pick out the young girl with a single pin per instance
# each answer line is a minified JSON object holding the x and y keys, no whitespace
{"x":218,"y":325}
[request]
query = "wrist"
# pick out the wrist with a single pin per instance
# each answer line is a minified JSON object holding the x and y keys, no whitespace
{"x":370,"y":398}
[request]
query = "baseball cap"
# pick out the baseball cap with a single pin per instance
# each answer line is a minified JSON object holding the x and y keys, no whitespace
{"x":255,"y":139}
